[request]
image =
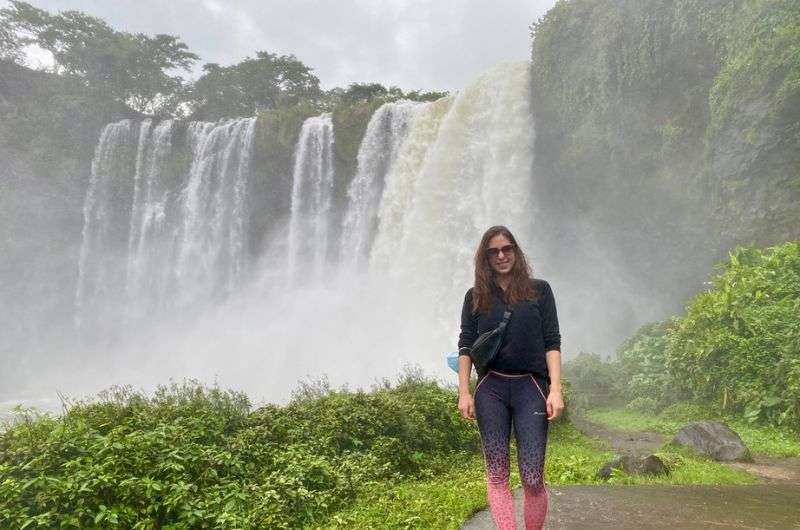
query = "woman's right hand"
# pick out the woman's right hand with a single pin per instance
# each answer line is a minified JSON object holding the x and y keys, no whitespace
{"x":466,"y":406}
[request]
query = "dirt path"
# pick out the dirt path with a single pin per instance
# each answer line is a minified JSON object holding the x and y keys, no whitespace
{"x":773,"y":504}
{"x":619,"y":441}
{"x":770,"y":470}
{"x":762,"y":506}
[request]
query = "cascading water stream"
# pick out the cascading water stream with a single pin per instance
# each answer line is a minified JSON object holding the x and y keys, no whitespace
{"x":98,"y":276}
{"x":147,"y":269}
{"x":312,"y":194}
{"x":210,"y":261}
{"x":184,"y":234}
{"x":386,"y":131}
{"x":476,"y":173}
{"x":400,"y":182}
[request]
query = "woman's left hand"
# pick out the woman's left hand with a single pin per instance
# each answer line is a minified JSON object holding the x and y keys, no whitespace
{"x":555,"y":404}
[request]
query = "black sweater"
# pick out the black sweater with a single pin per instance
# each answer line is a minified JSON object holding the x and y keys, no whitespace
{"x":532,"y":331}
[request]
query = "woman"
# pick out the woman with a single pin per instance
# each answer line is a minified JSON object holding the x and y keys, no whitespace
{"x":522,"y":383}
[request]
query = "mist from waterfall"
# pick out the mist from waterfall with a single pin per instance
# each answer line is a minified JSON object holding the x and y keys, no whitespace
{"x":352,"y":286}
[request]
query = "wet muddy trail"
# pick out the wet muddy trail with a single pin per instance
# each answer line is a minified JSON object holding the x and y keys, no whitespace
{"x":774,"y":503}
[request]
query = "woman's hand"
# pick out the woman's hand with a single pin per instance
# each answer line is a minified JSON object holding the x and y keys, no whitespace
{"x":466,"y":406}
{"x":555,"y":404}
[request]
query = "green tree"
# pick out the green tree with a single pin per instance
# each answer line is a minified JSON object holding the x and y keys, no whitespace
{"x":358,"y":93}
{"x":124,"y":67}
{"x":267,"y":81}
{"x":10,"y":45}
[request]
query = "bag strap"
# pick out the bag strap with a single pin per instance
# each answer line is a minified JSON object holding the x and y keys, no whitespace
{"x":504,"y":323}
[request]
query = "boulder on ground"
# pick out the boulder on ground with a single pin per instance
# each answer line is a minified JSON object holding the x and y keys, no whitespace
{"x":632,"y":465}
{"x":715,"y":440}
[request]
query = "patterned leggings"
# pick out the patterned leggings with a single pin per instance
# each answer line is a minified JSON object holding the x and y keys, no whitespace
{"x":499,"y":398}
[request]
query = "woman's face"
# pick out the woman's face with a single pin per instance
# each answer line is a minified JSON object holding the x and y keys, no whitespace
{"x":500,"y":253}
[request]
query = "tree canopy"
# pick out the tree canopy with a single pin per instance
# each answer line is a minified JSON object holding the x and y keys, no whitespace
{"x":139,"y":70}
{"x":129,"y":68}
{"x":264,"y":82}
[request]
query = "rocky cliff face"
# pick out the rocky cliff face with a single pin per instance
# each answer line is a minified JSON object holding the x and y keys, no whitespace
{"x":753,"y":135}
{"x":667,"y":132}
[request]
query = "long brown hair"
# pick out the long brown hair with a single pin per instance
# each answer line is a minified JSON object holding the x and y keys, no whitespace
{"x":519,"y":288}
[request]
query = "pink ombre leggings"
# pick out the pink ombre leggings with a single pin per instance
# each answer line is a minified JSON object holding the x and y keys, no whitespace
{"x":499,"y":399}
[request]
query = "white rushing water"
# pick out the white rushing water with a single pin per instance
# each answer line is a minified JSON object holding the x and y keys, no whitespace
{"x":97,"y":266}
{"x":385,"y":134}
{"x":476,"y":173}
{"x":311,"y":201}
{"x":210,"y":257}
{"x":399,"y":238}
{"x":148,"y":271}
{"x":183,"y":234}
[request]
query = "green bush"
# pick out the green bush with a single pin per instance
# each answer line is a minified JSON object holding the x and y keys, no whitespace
{"x":593,"y":380}
{"x":738,"y":347}
{"x":643,"y":404}
{"x":642,"y":366}
{"x":197,"y":457}
{"x":735,"y":353}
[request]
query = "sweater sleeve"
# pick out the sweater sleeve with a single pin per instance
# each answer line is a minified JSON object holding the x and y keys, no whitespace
{"x":469,"y":326}
{"x":550,"y":331}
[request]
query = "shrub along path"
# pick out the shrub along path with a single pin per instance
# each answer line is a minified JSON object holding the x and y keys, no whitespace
{"x":769,"y":469}
{"x":770,"y":504}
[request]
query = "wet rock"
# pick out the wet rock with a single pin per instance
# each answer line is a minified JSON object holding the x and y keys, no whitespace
{"x":652,"y":465}
{"x":715,"y":440}
{"x":632,"y":465}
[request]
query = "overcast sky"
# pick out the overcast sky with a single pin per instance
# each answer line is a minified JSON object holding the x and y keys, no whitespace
{"x":414,"y":44}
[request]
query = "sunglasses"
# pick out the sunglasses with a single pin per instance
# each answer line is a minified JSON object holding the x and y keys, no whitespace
{"x":494,"y":252}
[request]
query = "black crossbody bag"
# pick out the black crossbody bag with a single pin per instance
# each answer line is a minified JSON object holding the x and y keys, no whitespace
{"x":485,"y":347}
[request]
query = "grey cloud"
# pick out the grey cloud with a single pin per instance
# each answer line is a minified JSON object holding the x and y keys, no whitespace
{"x":414,"y":44}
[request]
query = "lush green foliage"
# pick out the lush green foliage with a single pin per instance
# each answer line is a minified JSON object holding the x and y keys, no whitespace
{"x":267,"y":81}
{"x":192,"y":456}
{"x":735,"y":352}
{"x":641,"y":362}
{"x":135,"y":69}
{"x":366,"y":92}
{"x":762,"y":47}
{"x":128,"y":68}
{"x":196,"y":457}
{"x":592,"y":380}
{"x":444,"y":497}
{"x":738,"y":347}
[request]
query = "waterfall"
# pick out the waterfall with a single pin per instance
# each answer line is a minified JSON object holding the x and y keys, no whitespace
{"x":210,"y":257}
{"x":476,"y":173}
{"x":385,"y":134}
{"x":166,"y":218}
{"x":98,"y":272}
{"x":401,"y":181}
{"x":312,"y":193}
{"x":154,"y":238}
{"x":148,"y":252}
